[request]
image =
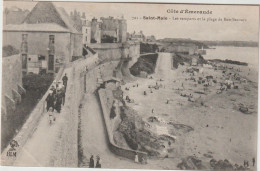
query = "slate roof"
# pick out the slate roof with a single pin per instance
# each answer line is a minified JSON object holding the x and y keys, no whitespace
{"x":48,"y":13}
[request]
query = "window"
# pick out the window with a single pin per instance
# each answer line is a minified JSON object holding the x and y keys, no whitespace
{"x":86,"y":38}
{"x":24,"y":61}
{"x":51,"y":63}
{"x":41,"y":57}
{"x":51,"y":38}
{"x":86,"y":30}
{"x":24,"y":37}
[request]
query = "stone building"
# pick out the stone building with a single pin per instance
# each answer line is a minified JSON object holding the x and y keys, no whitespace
{"x":82,"y":24}
{"x":47,"y":34}
{"x":137,"y":37}
{"x":150,"y":38}
{"x":95,"y":31}
{"x":122,"y":30}
{"x":113,"y":30}
{"x":14,"y":15}
{"x":105,"y":30}
{"x":77,"y":18}
{"x":86,"y":31}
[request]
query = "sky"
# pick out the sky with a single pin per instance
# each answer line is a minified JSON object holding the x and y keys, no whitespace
{"x":208,"y":29}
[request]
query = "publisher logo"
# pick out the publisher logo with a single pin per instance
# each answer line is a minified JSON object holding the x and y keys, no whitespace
{"x":12,"y":150}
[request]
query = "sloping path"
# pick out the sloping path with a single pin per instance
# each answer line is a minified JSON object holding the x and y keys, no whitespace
{"x":94,"y":137}
{"x":37,"y":150}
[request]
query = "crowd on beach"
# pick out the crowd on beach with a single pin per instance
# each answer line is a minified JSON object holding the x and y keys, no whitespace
{"x":56,"y":97}
{"x":196,"y":82}
{"x":199,"y":81}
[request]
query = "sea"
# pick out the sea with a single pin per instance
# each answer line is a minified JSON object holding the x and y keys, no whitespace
{"x":249,"y":55}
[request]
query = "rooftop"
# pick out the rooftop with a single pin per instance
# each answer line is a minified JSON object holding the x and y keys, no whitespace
{"x":42,"y":27}
{"x":48,"y":13}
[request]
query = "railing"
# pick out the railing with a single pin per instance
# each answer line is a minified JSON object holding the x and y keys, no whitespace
{"x":91,"y":50}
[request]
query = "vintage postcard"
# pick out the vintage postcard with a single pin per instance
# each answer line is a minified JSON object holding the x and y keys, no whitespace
{"x":129,"y":85}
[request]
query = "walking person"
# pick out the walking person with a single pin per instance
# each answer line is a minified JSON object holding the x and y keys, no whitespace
{"x":57,"y":84}
{"x":98,"y":164}
{"x":91,"y":162}
{"x":53,"y":89}
{"x":58,"y":101}
{"x":50,"y":100}
{"x":65,"y":81}
{"x":246,"y":164}
{"x":253,"y":161}
{"x":63,"y":93}
{"x":136,"y":158}
{"x":51,"y":115}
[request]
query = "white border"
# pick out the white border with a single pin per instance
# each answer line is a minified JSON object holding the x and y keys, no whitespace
{"x":245,"y":2}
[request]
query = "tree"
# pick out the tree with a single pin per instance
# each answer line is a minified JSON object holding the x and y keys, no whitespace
{"x":9,"y":51}
{"x":37,"y":82}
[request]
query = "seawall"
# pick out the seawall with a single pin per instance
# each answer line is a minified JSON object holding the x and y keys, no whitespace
{"x":106,"y":107}
{"x":117,"y":51}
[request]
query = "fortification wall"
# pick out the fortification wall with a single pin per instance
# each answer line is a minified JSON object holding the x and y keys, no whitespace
{"x":29,"y":127}
{"x":79,"y":72}
{"x":12,"y":82}
{"x":67,"y":143}
{"x":116,"y":51}
{"x":134,"y":53}
{"x":108,"y":51}
{"x":83,"y":78}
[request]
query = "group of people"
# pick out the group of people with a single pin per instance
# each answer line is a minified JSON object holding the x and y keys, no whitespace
{"x":92,"y":162}
{"x":246,"y":163}
{"x":56,"y":97}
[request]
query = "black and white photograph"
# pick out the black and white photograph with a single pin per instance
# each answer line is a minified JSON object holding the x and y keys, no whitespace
{"x":157,"y":86}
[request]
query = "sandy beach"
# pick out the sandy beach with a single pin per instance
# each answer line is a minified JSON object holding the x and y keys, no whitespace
{"x":219,"y":129}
